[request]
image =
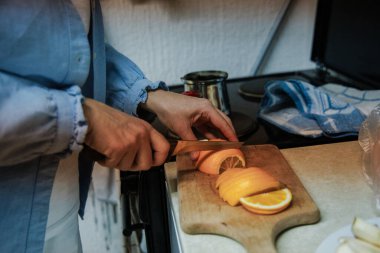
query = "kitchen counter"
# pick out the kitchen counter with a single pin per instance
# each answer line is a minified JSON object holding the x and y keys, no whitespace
{"x":332,"y":175}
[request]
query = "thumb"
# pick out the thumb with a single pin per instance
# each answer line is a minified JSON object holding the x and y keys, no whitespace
{"x":160,"y":147}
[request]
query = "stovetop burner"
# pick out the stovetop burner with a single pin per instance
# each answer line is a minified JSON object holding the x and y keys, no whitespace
{"x":244,"y":125}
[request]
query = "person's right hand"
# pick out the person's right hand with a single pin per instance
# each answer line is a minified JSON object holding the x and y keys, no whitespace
{"x":128,"y":143}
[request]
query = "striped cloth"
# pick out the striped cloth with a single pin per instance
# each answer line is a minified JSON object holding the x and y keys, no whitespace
{"x":330,"y":110}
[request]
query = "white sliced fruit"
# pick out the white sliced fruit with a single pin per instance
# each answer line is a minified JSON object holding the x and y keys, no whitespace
{"x":356,"y":246}
{"x":344,"y":248}
{"x":366,"y":231}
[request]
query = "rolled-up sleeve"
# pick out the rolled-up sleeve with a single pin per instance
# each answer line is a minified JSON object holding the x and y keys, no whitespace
{"x":127,"y":85}
{"x":36,"y":120}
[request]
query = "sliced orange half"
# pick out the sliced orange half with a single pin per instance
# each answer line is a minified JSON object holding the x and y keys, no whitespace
{"x":268,"y":203}
{"x":214,"y":162}
{"x":235,"y":161}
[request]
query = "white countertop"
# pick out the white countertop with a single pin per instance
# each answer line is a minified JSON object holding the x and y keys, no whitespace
{"x":332,"y":175}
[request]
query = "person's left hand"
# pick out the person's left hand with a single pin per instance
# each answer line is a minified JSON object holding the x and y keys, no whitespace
{"x":181,"y":113}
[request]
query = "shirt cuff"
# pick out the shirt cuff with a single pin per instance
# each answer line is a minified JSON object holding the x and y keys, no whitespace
{"x":141,"y":89}
{"x":71,"y":123}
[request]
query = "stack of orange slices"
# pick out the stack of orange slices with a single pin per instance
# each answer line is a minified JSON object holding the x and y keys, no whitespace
{"x":252,"y":187}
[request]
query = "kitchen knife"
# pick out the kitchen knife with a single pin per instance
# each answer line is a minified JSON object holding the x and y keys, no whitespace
{"x":176,"y":147}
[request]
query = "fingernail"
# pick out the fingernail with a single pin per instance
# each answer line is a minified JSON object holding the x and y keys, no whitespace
{"x":194,"y":155}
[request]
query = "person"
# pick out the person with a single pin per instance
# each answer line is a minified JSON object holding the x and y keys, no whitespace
{"x":45,"y":121}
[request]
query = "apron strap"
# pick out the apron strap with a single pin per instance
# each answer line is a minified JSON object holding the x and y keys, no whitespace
{"x":95,"y":87}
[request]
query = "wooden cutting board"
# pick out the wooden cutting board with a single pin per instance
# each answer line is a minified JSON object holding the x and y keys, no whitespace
{"x":202,"y":211}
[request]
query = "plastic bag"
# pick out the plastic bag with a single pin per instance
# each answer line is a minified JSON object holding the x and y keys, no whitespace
{"x":369,"y":140}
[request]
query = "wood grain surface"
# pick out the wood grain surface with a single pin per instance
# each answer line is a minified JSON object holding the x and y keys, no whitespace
{"x":203,"y":211}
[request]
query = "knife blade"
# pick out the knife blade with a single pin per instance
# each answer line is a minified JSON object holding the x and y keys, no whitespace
{"x":183,"y":146}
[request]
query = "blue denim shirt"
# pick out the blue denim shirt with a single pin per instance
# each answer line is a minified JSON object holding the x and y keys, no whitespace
{"x":44,"y":61}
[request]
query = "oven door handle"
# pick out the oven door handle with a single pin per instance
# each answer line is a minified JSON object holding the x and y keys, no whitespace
{"x":133,"y":206}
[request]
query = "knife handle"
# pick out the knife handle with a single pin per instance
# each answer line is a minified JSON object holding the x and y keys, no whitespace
{"x":94,"y":155}
{"x":173,"y":143}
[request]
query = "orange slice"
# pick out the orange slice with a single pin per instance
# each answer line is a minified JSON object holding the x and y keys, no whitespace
{"x":268,"y":203}
{"x":226,"y":175}
{"x":246,"y":182}
{"x":213,"y":162}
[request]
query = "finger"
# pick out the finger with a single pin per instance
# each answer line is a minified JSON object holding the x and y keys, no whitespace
{"x":143,"y":159}
{"x":160,"y":148}
{"x":223,"y":125}
{"x":112,"y":159}
{"x":194,"y":155}
{"x":127,"y":160}
{"x":227,"y":119}
{"x":188,"y":134}
{"x":206,"y":132}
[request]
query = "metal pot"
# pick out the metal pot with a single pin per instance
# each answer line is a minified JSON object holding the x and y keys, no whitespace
{"x":211,"y":85}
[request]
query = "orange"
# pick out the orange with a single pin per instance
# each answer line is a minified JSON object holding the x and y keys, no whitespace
{"x":235,"y":161}
{"x":213,"y":162}
{"x":226,"y":175}
{"x":245,"y":182}
{"x":268,"y":203}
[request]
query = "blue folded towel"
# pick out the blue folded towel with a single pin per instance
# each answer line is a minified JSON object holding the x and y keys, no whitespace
{"x":332,"y":110}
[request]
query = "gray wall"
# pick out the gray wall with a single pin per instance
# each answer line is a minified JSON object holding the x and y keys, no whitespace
{"x":168,"y":38}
